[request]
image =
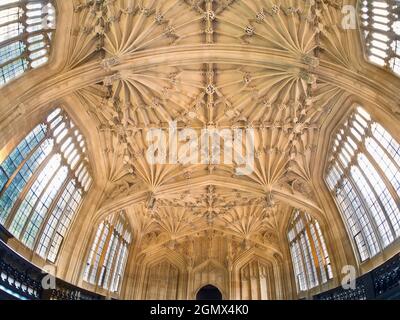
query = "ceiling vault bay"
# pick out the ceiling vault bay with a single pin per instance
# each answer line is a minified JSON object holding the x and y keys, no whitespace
{"x":280,"y":67}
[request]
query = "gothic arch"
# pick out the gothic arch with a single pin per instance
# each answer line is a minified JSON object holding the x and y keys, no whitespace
{"x":175,"y":274}
{"x":209,"y":272}
{"x":273,"y":273}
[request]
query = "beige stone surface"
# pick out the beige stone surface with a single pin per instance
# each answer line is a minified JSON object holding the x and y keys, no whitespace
{"x":284,"y":68}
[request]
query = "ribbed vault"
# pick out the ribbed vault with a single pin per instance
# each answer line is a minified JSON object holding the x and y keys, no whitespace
{"x":283,"y":68}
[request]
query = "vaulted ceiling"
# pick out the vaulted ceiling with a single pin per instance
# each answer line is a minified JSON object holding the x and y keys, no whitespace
{"x":282,"y":68}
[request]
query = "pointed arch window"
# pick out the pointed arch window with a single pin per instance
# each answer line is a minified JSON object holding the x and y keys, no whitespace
{"x":363,"y":174}
{"x":108,"y":255}
{"x":42,"y":183}
{"x":311,"y":262}
{"x":381,"y":27}
{"x":26,"y":31}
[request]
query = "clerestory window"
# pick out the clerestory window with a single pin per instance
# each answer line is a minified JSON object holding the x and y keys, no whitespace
{"x":42,"y":184}
{"x":364,"y":177}
{"x":26,"y":32}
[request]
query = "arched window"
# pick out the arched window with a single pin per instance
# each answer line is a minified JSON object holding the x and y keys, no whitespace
{"x":26,"y":30}
{"x":381,"y":27}
{"x":107,"y":258}
{"x":42,"y":183}
{"x":311,"y":263}
{"x":364,"y":176}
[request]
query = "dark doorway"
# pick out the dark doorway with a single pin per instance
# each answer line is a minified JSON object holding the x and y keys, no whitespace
{"x":209,"y":292}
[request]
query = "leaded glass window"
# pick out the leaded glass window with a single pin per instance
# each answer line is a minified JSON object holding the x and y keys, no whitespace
{"x":42,"y":183}
{"x":381,"y":28}
{"x":26,"y":30}
{"x":311,"y":262}
{"x":108,"y":254}
{"x":364,"y":177}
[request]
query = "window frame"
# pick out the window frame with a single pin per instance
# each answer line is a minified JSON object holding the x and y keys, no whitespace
{"x":367,"y":43}
{"x":346,"y":176}
{"x":108,"y":253}
{"x":52,"y":120}
{"x":37,"y":20}
{"x":308,"y":252}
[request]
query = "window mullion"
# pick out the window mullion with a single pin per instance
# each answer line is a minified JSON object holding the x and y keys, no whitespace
{"x":14,"y":4}
{"x":50,"y":209}
{"x":103,"y":255}
{"x":26,"y":23}
{"x":304,"y":254}
{"x":113,"y":286}
{"x":28,"y":156}
{"x":356,"y":220}
{"x":114,"y":262}
{"x":123,"y":266}
{"x":361,"y":149}
{"x":58,"y":223}
{"x":95,"y":252}
{"x":346,"y":173}
{"x":39,"y":198}
{"x":388,"y":185}
{"x":295,"y":265}
{"x":13,"y":60}
{"x":27,"y":187}
{"x":313,"y":252}
{"x":396,"y":164}
{"x":110,"y":256}
{"x":378,"y":24}
{"x":367,"y":211}
{"x":24,"y":37}
{"x":321,"y":252}
{"x":379,"y":202}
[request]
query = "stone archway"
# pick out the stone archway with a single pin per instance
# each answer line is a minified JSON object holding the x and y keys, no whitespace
{"x":209,"y":292}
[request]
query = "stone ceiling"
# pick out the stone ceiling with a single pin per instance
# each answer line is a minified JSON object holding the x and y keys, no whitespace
{"x":193,"y":62}
{"x":281,"y":68}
